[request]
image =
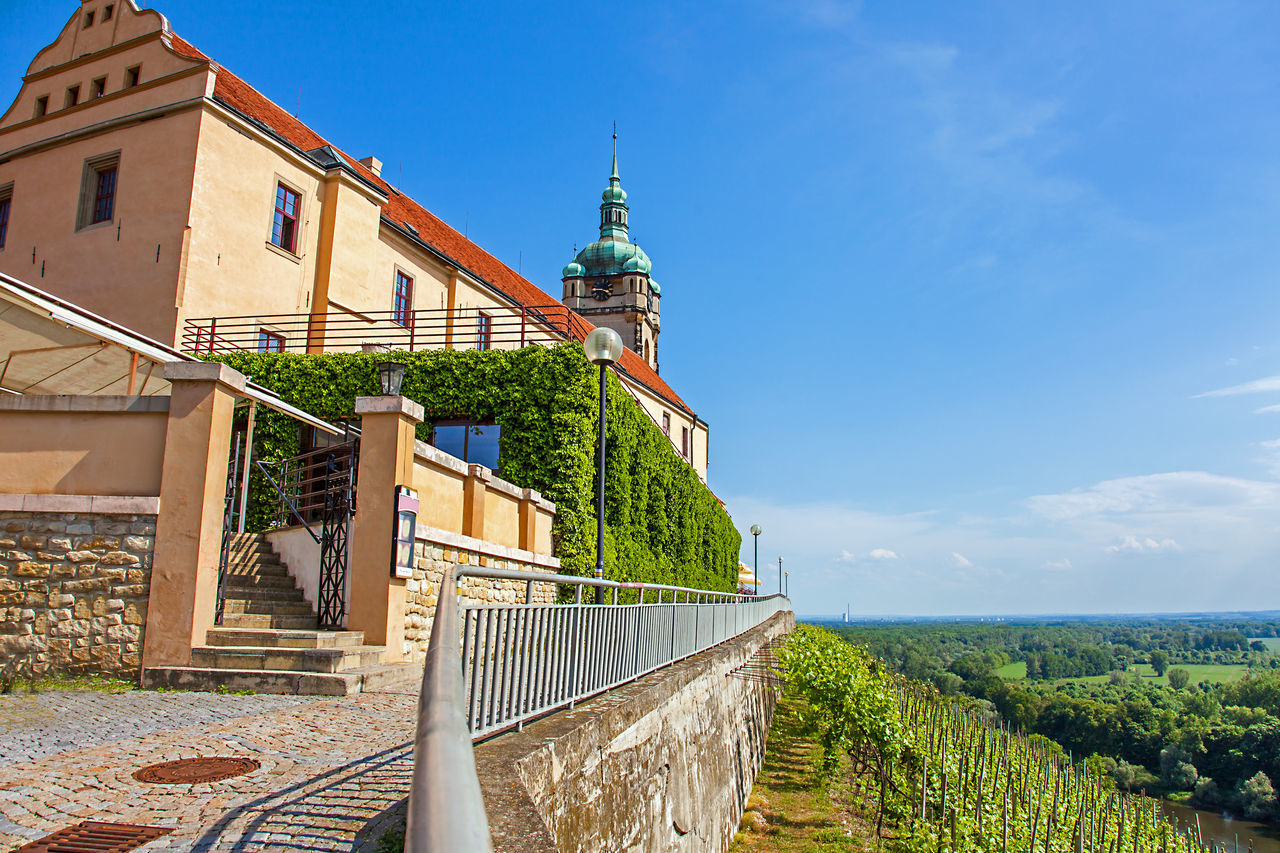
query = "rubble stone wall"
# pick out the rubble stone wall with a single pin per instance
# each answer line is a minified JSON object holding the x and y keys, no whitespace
{"x":73,"y":591}
{"x":422,"y":590}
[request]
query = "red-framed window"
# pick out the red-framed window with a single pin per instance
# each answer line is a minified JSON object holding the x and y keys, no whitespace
{"x":684,"y":442}
{"x":270,"y":341}
{"x":666,"y":423}
{"x":484,"y":331}
{"x":5,"y":204}
{"x":104,"y":195}
{"x":402,"y":314}
{"x":284,"y":227}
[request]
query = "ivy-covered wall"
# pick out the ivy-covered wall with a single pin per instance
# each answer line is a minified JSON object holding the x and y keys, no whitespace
{"x":662,"y":525}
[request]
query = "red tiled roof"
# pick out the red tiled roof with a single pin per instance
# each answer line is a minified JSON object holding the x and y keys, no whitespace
{"x":399,"y":208}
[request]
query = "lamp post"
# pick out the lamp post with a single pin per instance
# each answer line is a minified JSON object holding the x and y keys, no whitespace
{"x":755,"y":564}
{"x":779,"y":575}
{"x":787,"y":586}
{"x":390,"y":377}
{"x":603,"y":347}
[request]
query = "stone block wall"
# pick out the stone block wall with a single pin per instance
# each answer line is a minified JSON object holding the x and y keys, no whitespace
{"x":423,"y":589}
{"x":662,"y":764}
{"x":73,"y":591}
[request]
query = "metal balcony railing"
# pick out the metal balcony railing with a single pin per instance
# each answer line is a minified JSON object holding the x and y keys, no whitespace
{"x":492,"y":667}
{"x":499,"y":327}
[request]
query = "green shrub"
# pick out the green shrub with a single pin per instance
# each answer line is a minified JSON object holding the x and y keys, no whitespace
{"x":662,"y":524}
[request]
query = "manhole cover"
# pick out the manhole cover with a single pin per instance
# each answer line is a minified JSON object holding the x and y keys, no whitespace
{"x":190,"y":770}
{"x":92,"y":836}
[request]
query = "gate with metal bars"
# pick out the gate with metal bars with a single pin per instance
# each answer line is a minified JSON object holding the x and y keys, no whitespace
{"x":316,"y":490}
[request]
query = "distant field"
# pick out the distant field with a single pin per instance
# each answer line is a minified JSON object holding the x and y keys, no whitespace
{"x":1015,"y":671}
{"x":1272,"y":643}
{"x":1213,"y":673}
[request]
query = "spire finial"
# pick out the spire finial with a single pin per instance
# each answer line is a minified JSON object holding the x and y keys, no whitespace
{"x":614,"y":177}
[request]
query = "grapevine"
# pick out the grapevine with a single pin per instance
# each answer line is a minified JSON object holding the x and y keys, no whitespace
{"x":952,"y":776}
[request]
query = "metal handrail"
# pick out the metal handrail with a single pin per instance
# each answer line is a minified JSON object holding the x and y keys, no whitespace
{"x":285,"y":497}
{"x":422,"y":328}
{"x":446,"y":808}
{"x":517,"y":662}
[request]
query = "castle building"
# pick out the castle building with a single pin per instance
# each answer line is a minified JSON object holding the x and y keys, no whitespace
{"x":609,"y":281}
{"x":144,"y":181}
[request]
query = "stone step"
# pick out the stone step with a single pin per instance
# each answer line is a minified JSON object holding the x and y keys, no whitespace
{"x":255,"y":564}
{"x":264,"y":594}
{"x":282,"y":639}
{"x":293,"y":660}
{"x":281,"y":681}
{"x":268,"y":621}
{"x":256,"y":581}
{"x":235,"y":606}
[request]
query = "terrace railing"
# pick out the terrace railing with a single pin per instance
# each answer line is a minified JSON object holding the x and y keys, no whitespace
{"x":498,"y":327}
{"x":492,"y":667}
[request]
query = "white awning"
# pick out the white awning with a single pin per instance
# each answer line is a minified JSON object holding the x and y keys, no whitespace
{"x":50,"y":346}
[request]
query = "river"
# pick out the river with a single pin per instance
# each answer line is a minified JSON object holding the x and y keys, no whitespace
{"x":1215,"y":827}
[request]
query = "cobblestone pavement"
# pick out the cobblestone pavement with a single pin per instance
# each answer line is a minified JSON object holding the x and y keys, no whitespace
{"x":37,"y":725}
{"x":334,"y":774}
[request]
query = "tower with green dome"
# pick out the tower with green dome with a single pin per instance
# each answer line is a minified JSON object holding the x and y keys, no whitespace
{"x":609,"y":281}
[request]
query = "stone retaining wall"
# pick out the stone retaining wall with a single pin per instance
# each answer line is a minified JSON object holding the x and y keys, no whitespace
{"x":423,"y":589}
{"x":662,"y":764}
{"x":73,"y":591}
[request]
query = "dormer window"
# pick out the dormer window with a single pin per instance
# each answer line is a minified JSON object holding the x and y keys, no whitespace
{"x":73,"y":96}
{"x":106,"y":12}
{"x":99,"y":87}
{"x":88,"y":20}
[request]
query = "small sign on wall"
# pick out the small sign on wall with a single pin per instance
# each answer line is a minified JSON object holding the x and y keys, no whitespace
{"x":405,"y":529}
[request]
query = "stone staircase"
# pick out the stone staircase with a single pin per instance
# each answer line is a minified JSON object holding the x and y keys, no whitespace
{"x":269,"y":641}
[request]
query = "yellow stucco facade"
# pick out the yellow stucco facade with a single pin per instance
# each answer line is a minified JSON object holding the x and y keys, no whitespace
{"x":198,"y":158}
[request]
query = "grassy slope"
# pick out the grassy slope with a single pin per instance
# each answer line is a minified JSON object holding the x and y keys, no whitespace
{"x":789,"y":809}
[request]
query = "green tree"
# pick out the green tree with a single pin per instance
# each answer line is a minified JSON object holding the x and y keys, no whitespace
{"x":1256,"y":796}
{"x":1124,"y":775}
{"x":1178,"y":678}
{"x":1159,"y":661}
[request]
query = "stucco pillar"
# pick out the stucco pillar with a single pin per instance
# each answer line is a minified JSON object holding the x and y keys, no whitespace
{"x":386,"y":461}
{"x":193,"y":483}
{"x":529,"y":520}
{"x":473,"y":499}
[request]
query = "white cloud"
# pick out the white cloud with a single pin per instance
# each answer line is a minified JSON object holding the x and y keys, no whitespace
{"x":1266,"y":410}
{"x":1157,"y":493}
{"x":830,"y":14}
{"x":1144,"y":545}
{"x":882,"y":554}
{"x":1177,"y":521}
{"x":1270,"y":383}
{"x":960,"y":561}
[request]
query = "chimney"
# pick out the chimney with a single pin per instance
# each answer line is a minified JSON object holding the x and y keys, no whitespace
{"x":374,"y":165}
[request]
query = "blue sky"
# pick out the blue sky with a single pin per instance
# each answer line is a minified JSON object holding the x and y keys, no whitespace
{"x":962,"y":289}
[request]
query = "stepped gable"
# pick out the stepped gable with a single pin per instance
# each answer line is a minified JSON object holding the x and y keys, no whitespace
{"x":243,"y":98}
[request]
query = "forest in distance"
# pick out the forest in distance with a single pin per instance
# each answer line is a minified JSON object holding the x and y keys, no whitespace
{"x":1184,"y":708}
